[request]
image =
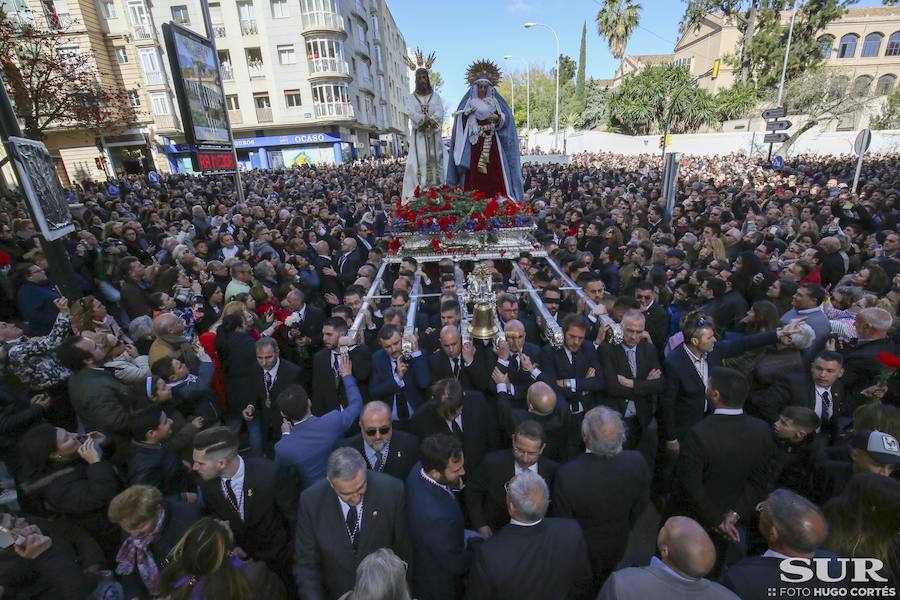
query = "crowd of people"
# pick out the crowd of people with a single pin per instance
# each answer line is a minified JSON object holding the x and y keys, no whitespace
{"x":223,"y":413}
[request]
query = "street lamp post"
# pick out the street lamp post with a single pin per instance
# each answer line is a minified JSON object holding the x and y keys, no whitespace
{"x":512,"y":83}
{"x":529,"y":25}
{"x":527,"y":98}
{"x":787,"y":51}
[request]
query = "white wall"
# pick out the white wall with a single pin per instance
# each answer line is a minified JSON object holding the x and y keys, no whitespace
{"x":708,"y":144}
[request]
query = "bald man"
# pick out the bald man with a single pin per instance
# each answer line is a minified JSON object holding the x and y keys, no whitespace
{"x":349,"y":261}
{"x":457,"y":360}
{"x":326,"y":269}
{"x":793,"y":527}
{"x":518,"y":359}
{"x":686,"y":555}
{"x":386,"y":449}
{"x":541,"y":406}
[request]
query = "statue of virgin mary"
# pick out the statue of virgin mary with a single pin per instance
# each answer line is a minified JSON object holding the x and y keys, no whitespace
{"x":484,"y":148}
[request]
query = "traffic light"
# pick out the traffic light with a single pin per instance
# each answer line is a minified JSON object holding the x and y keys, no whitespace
{"x":665,"y":140}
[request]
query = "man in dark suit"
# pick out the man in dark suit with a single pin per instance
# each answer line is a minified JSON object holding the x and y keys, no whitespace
{"x":723,"y":467}
{"x":794,"y":527}
{"x":541,"y":406}
{"x":518,"y":359}
{"x":606,"y":489}
{"x":457,"y":360}
{"x":307,"y":333}
{"x":463,"y":414}
{"x":508,"y":310}
{"x":385,"y":449}
{"x":435,"y":521}
{"x":325,"y":267}
{"x":534,"y":556}
{"x":349,"y":261}
{"x":656,"y":317}
{"x":328,"y":393}
{"x":274,"y":375}
{"x":861,"y":367}
{"x":633,"y":380}
{"x":399,"y":382}
{"x":820,"y":390}
{"x":343,"y":519}
{"x":485,"y":494}
{"x":258,"y":499}
{"x":573,"y":371}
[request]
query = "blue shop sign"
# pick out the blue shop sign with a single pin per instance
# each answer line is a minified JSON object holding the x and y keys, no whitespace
{"x":285,"y":140}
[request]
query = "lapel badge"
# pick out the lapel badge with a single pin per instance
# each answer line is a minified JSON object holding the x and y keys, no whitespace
{"x":249,"y":492}
{"x":374,"y":513}
{"x":399,"y":454}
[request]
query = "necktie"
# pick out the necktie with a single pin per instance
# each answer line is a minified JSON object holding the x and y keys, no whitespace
{"x":352,"y":520}
{"x":268,"y":380}
{"x":335,"y":366}
{"x":456,"y":368}
{"x":514,"y":362}
{"x":229,"y":491}
{"x":826,"y":406}
{"x":456,"y":429}
{"x":379,"y":460}
{"x":400,"y":401}
{"x":632,"y":360}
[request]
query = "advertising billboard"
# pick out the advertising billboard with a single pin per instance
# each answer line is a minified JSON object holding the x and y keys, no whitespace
{"x":198,"y":85}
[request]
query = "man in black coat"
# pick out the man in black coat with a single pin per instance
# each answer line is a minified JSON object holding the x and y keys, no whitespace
{"x":518,"y":359}
{"x":462,"y":414}
{"x":273,"y":375}
{"x":557,"y":421}
{"x":384,"y":448}
{"x":656,"y":317}
{"x":348,"y":262}
{"x":151,"y":461}
{"x":328,"y":391}
{"x":605,"y":489}
{"x":458,"y":361}
{"x":633,"y":381}
{"x":793,"y":527}
{"x":861,"y":367}
{"x":343,"y":519}
{"x":573,"y":371}
{"x":485,"y":494}
{"x":305,"y":334}
{"x":798,"y":449}
{"x":533,"y":557}
{"x":256,"y":497}
{"x":723,"y":467}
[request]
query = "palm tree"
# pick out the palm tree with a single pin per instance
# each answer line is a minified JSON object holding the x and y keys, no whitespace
{"x":616,"y":21}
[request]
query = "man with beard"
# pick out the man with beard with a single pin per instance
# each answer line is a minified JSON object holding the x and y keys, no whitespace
{"x":425,"y":161}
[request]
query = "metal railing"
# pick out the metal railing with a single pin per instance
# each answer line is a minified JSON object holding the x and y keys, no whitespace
{"x":227,"y":72}
{"x":165,"y":121}
{"x":154,"y":77}
{"x":321,"y":20}
{"x":248,"y":27}
{"x":328,"y":65}
{"x":263,"y":115}
{"x":256,"y":70}
{"x":143,"y":32}
{"x":219,"y":30}
{"x":333,"y":109}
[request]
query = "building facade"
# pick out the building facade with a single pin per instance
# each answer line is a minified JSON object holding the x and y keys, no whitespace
{"x":308,"y":81}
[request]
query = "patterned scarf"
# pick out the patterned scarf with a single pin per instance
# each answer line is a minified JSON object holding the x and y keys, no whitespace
{"x":135,"y":552}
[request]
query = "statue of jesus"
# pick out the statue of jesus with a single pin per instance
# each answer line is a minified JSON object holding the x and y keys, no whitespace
{"x":425,"y":159}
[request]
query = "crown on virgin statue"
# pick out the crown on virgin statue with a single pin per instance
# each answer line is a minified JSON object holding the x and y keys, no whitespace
{"x":421,"y":61}
{"x":483,"y":71}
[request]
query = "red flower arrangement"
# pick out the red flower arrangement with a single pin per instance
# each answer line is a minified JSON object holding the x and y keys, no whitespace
{"x":888,"y":360}
{"x":446,"y":210}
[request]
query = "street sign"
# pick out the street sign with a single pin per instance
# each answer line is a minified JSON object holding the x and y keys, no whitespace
{"x":777,"y":125}
{"x":862,"y":142}
{"x":774,"y":113}
{"x":775,"y":138}
{"x":777,"y":163}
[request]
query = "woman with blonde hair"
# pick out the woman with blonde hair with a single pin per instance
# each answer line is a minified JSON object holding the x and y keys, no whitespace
{"x":203,"y":567}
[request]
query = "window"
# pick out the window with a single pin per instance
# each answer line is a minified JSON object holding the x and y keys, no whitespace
{"x":286,"y":55}
{"x":180,"y":15}
{"x":262,"y":100}
{"x":109,"y":8}
{"x":885,"y":84}
{"x":150,"y":63}
{"x":848,"y":46}
{"x":121,"y":55}
{"x":134,"y":98}
{"x":825,"y":45}
{"x":872,"y":45}
{"x":231,"y":101}
{"x":292,"y":98}
{"x":160,"y":103}
{"x":361,"y":34}
{"x":279,"y":9}
{"x":861,"y":86}
{"x":893,"y":45}
{"x":838,"y":86}
{"x":69,"y":55}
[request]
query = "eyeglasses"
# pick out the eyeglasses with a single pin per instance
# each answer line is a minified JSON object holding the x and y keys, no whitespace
{"x":518,"y":450}
{"x":551,"y":300}
{"x":382,"y":430}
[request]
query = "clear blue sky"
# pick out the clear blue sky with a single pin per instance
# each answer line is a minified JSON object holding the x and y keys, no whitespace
{"x":466,"y":30}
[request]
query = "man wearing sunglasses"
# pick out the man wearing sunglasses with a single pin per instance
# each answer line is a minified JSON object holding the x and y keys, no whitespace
{"x":385,"y":449}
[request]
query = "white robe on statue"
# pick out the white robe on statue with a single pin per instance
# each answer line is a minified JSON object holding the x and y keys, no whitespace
{"x":425,"y":161}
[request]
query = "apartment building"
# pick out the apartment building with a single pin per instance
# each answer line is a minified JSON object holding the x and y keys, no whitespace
{"x":865,"y":43}
{"x":306,"y":81}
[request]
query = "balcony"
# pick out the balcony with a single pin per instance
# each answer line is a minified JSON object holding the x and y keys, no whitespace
{"x":143,"y":32}
{"x":227,"y":72}
{"x":235,"y":117}
{"x":219,"y":30}
{"x":166,"y":122}
{"x":333,"y":109}
{"x":328,"y":67}
{"x":59,"y":20}
{"x":365,"y":83}
{"x":154,"y":77}
{"x":263,"y":115}
{"x":256,"y":70}
{"x":314,"y":22}
{"x":248,"y":27}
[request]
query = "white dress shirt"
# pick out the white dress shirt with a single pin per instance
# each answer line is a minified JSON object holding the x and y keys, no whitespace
{"x":237,"y":486}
